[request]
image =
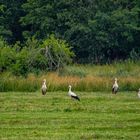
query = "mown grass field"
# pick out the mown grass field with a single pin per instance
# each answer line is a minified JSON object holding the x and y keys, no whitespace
{"x":99,"y":115}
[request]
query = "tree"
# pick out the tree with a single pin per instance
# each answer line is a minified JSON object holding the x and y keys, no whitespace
{"x":57,"y":52}
{"x":99,"y":31}
{"x":4,"y":31}
{"x":10,"y":13}
{"x":7,"y":56}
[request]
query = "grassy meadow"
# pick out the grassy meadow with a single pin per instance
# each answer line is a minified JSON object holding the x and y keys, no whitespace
{"x":27,"y":115}
{"x":99,"y":115}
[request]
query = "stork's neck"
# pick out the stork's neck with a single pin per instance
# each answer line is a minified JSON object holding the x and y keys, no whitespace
{"x":69,"y":88}
{"x":116,"y":83}
{"x":44,"y":83}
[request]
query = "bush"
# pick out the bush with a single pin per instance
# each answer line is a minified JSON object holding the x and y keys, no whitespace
{"x":20,"y":67}
{"x":7,"y":56}
{"x":34,"y":57}
{"x":57,"y":52}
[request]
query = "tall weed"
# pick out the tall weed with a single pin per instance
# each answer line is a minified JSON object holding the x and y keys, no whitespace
{"x":81,"y":77}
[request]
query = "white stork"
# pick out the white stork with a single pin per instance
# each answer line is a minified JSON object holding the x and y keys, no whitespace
{"x":72,"y":94}
{"x":44,"y":87}
{"x":115,"y":87}
{"x":139,"y":93}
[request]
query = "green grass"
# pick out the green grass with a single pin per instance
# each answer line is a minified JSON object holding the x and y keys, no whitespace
{"x":119,"y":69}
{"x":101,"y":116}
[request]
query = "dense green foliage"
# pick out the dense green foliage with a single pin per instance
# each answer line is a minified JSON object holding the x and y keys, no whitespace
{"x":99,"y":116}
{"x":10,"y":14}
{"x":57,"y":52}
{"x":34,"y":56}
{"x":100,"y":31}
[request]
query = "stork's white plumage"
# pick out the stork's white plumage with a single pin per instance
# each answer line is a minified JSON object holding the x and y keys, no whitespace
{"x":72,"y":94}
{"x":44,"y":87}
{"x":115,"y":87}
{"x":139,"y":93}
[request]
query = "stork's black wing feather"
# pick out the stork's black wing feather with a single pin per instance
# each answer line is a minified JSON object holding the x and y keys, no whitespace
{"x":76,"y":97}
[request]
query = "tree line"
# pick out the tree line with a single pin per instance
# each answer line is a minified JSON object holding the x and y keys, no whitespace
{"x":98,"y":31}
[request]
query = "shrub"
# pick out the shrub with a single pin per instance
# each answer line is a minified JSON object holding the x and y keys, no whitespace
{"x":34,"y":57}
{"x":20,"y":67}
{"x":57,"y":52}
{"x":7,"y":56}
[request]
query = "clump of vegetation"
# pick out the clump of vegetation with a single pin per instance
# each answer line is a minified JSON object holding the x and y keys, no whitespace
{"x":91,"y":78}
{"x":57,"y":52}
{"x":75,"y":70}
{"x":34,"y":56}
